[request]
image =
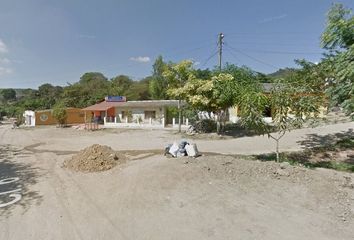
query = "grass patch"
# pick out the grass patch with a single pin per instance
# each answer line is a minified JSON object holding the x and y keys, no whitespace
{"x":302,"y":159}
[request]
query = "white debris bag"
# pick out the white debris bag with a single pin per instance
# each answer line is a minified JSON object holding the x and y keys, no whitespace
{"x":192,"y":150}
{"x":174,"y":149}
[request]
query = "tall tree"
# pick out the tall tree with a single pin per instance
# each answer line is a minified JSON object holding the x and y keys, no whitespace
{"x":91,"y":88}
{"x":49,"y":95}
{"x":215,"y":95}
{"x":139,"y":90}
{"x":120,"y":85}
{"x":338,"y":39}
{"x":177,"y":74}
{"x":158,"y":83}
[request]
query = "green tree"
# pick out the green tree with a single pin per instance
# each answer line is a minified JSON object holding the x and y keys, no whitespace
{"x":158,"y":83}
{"x":139,"y":90}
{"x":120,"y":85}
{"x":8,"y":94}
{"x":91,"y":88}
{"x":292,"y":102}
{"x":338,"y":39}
{"x":215,"y":95}
{"x":177,"y":74}
{"x":203,"y":74}
{"x":48,"y":95}
{"x":60,"y":114}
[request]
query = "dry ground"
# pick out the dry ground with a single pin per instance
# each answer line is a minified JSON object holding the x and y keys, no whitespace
{"x":154,"y":197}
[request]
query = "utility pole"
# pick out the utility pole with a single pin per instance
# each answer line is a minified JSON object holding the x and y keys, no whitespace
{"x":220,"y":43}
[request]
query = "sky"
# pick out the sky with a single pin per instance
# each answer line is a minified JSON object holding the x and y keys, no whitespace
{"x":57,"y":41}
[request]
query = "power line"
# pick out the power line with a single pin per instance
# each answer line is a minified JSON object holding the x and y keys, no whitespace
{"x":272,"y":43}
{"x":270,"y":33}
{"x":169,"y":53}
{"x":234,"y":55}
{"x":280,"y":52}
{"x":211,"y":56}
{"x":253,"y":58}
{"x":214,"y":52}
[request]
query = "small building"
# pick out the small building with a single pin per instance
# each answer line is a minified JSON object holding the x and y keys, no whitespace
{"x":29,"y":118}
{"x":45,"y":117}
{"x":120,"y":113}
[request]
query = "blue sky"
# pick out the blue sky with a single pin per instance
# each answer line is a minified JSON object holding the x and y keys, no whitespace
{"x":47,"y":41}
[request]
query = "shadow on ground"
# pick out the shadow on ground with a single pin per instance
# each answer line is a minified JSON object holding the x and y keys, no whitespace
{"x":335,"y":151}
{"x":28,"y":175}
{"x":315,"y":140}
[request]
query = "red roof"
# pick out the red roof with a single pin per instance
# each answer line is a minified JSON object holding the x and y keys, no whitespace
{"x":102,"y":106}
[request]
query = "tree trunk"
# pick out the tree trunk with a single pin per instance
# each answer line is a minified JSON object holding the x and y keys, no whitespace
{"x":218,"y":123}
{"x":277,"y":149}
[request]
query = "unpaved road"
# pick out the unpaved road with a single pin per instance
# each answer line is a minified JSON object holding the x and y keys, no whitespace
{"x":211,"y":197}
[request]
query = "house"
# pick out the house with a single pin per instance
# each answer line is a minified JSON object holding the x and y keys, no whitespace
{"x":45,"y":117}
{"x":267,"y":89}
{"x":117,"y":112}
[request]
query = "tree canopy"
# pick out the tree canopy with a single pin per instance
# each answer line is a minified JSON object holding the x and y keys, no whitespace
{"x":8,"y":94}
{"x":338,"y":39}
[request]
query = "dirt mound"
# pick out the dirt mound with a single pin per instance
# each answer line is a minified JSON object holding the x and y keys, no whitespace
{"x":94,"y":159}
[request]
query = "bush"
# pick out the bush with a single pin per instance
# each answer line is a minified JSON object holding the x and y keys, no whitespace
{"x":60,"y":114}
{"x":205,"y":126}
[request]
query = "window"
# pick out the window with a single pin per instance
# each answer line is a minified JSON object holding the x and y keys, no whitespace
{"x":150,"y":114}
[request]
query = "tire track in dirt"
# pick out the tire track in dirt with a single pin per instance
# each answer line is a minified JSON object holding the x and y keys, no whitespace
{"x":98,"y":209}
{"x":62,"y":198}
{"x":56,"y":182}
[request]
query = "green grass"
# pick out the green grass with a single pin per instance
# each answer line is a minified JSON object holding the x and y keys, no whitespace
{"x":346,"y":143}
{"x":301,"y":159}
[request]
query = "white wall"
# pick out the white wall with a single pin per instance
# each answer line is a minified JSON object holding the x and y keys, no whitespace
{"x":30,"y":118}
{"x":140,"y":113}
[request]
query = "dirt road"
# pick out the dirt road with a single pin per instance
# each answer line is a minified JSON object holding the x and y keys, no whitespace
{"x":212,"y":197}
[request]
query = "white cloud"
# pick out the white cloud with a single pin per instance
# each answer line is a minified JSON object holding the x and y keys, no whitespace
{"x":140,"y":59}
{"x":196,"y":63}
{"x":4,"y":60}
{"x":4,"y":71}
{"x":3,"y":47}
{"x":271,"y":19}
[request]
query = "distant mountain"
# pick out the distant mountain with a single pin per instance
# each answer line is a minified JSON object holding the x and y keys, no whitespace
{"x":282,"y":73}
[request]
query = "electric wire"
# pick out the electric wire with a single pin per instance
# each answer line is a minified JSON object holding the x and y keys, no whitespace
{"x":250,"y":57}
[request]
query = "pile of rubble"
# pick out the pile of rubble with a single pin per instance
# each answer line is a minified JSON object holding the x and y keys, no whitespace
{"x":181,"y":150}
{"x":94,"y":158}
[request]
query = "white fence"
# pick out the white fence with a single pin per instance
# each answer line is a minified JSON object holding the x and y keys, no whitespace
{"x":114,"y":122}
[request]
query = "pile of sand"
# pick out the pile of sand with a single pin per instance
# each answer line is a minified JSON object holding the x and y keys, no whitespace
{"x":94,"y":158}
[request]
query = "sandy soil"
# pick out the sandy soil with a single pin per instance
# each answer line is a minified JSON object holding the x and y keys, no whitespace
{"x":154,"y":197}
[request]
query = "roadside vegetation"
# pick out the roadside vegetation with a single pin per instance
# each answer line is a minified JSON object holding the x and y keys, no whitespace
{"x":296,"y":94}
{"x":333,"y":152}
